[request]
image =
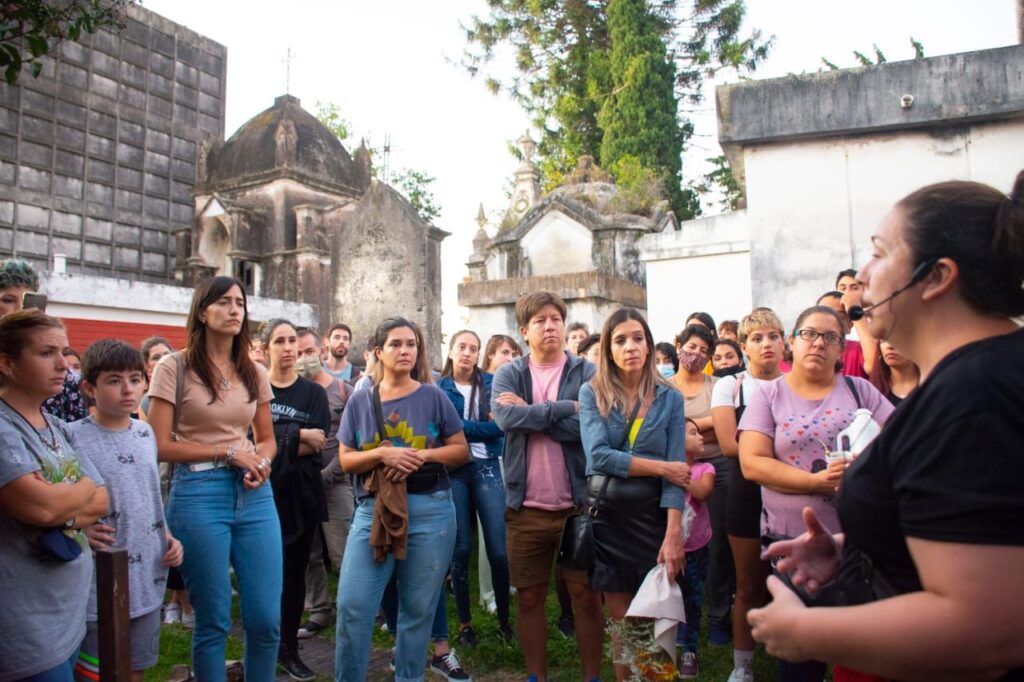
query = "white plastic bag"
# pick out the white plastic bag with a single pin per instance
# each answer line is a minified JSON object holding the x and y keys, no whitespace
{"x":661,"y":599}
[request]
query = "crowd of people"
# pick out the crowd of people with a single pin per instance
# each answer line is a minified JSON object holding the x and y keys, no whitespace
{"x":765,"y":467}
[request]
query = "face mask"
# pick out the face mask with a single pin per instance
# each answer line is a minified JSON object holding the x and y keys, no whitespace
{"x":728,"y":371}
{"x":667,"y":371}
{"x":692,"y":361}
{"x":308,"y":366}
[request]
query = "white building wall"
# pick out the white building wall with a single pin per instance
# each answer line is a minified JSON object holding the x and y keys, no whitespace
{"x":703,"y":266}
{"x":812,"y":207}
{"x":121,"y":300}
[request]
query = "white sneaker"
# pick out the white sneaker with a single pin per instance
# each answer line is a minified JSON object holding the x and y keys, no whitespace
{"x":172,"y":613}
{"x":188,"y":620}
{"x":741,"y":674}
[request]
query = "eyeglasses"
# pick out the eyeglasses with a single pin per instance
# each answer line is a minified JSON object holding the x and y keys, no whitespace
{"x":811,"y":335}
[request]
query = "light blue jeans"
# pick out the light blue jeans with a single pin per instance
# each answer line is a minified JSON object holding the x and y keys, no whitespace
{"x":219,"y":522}
{"x":420,"y":574}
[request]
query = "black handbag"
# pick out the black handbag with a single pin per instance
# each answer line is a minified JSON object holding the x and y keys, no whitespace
{"x":576,"y":545}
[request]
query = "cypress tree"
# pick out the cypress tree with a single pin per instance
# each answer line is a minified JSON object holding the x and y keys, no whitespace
{"x":639,"y":117}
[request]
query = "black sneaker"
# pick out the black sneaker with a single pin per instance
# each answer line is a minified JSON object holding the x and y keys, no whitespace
{"x":449,"y":668}
{"x":310,"y":629}
{"x":506,"y":634}
{"x":566,"y":626}
{"x":466,"y":636}
{"x":290,"y":662}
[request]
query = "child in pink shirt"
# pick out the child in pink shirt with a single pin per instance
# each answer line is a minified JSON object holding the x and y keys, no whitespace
{"x":702,"y":482}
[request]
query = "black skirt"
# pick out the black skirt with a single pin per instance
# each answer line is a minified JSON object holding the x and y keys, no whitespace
{"x":629,"y":529}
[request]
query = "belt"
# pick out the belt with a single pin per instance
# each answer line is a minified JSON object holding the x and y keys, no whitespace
{"x":207,"y":466}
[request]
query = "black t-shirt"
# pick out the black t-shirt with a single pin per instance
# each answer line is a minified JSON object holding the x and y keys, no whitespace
{"x":298,"y":489}
{"x":947,"y":467}
{"x":304,"y":403}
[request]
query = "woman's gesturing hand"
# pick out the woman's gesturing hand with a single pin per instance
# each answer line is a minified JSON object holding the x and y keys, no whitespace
{"x":677,"y":473}
{"x":811,"y":559}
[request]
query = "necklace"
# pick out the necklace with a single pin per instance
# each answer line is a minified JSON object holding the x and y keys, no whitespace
{"x":224,"y":383}
{"x":52,"y":445}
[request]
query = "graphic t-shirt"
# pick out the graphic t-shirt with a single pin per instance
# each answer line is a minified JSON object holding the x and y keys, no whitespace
{"x":422,"y":420}
{"x":700,"y":531}
{"x":42,"y":619}
{"x":799,"y":430}
{"x":547,"y":477}
{"x":127,"y":461}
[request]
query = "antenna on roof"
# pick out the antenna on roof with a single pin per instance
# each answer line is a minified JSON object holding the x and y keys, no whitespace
{"x":386,"y":153}
{"x":288,"y":72}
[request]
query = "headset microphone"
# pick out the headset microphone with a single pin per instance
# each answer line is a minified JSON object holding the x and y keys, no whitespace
{"x":856,"y":312}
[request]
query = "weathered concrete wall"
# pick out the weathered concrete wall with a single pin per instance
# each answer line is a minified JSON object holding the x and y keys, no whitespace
{"x":556,"y":244}
{"x":703,"y":266}
{"x":382,"y":256}
{"x":97,"y":155}
{"x":946,"y":90}
{"x":570,"y":286}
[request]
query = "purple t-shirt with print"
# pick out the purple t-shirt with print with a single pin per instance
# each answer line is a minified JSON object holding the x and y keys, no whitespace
{"x":798,"y":428}
{"x":421,"y":420}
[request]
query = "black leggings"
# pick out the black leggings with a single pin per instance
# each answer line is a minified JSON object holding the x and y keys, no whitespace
{"x":293,"y":587}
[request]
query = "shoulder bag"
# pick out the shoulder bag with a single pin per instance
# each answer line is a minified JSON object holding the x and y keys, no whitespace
{"x":576,"y":546}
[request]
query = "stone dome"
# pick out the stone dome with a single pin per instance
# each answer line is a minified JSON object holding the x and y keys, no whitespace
{"x":286,"y":140}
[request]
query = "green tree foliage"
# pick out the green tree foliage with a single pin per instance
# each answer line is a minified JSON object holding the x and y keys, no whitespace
{"x":562,"y":57}
{"x":31,"y":29}
{"x":413,"y":184}
{"x":721,"y":178}
{"x":865,"y":60}
{"x":639,"y":116}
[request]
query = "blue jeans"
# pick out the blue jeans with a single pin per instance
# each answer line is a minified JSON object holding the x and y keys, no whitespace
{"x":389,"y":606}
{"x":362,"y":582}
{"x":692,"y":582}
{"x":478,"y":486}
{"x":219,"y":522}
{"x":61,"y":673}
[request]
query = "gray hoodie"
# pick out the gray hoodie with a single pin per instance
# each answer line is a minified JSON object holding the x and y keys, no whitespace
{"x":557,"y":418}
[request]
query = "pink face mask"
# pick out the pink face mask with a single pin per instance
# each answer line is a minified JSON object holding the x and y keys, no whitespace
{"x":692,"y":361}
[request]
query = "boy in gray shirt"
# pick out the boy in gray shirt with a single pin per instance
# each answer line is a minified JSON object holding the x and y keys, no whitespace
{"x":123,"y":449}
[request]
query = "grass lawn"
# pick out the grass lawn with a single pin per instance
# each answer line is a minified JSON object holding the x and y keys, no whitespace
{"x":490,"y":659}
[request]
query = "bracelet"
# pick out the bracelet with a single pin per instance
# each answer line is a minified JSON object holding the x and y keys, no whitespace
{"x":229,"y":455}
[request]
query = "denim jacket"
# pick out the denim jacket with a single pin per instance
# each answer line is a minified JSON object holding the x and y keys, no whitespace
{"x":557,"y":418}
{"x":662,"y":436}
{"x":486,"y":431}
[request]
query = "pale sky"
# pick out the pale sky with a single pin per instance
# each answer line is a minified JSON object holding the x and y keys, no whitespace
{"x":388,"y":66}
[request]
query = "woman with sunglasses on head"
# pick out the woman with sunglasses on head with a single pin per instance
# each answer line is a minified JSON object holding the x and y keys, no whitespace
{"x":47,"y":495}
{"x":398,"y":439}
{"x":934,"y":505}
{"x":219,"y":507}
{"x":633,"y":432}
{"x":787,"y":432}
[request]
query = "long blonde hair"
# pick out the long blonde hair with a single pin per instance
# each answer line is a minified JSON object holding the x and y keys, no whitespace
{"x":609,"y":390}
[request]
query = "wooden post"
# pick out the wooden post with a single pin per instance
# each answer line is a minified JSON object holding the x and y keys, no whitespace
{"x":114,"y":621}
